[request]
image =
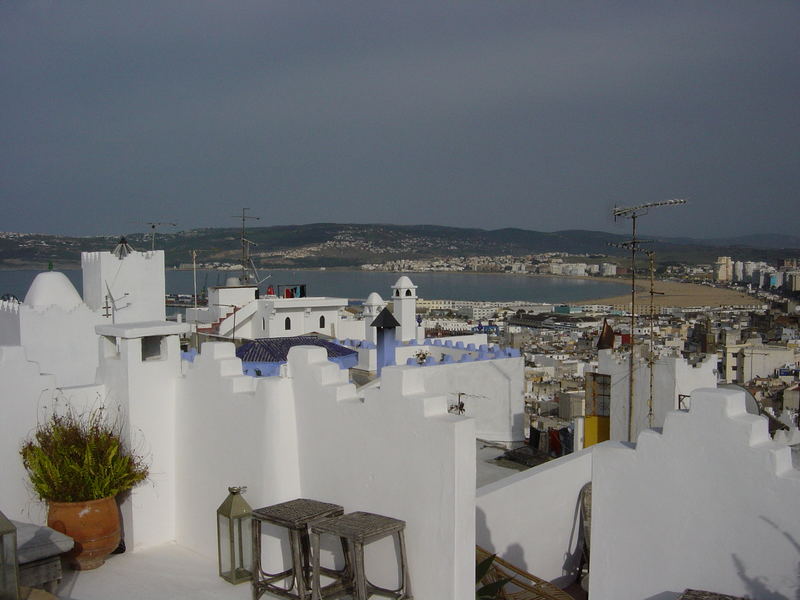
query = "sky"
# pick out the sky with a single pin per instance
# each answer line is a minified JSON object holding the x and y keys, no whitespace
{"x":490,"y":114}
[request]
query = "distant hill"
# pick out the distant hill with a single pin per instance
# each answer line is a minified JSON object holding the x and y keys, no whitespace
{"x":347,"y":245}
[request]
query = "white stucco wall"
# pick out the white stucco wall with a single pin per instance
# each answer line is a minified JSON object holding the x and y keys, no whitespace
{"x":493,"y":394}
{"x":395,"y":451}
{"x":144,"y":387}
{"x":62,"y":341}
{"x":231,"y":430}
{"x":136,"y":282}
{"x":24,"y":393}
{"x":9,"y":322}
{"x":531,"y":519}
{"x":672,"y":377}
{"x":356,"y":329}
{"x":709,"y":504}
{"x":26,"y":398}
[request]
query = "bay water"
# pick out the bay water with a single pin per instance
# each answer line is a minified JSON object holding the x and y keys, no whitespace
{"x":358,"y":284}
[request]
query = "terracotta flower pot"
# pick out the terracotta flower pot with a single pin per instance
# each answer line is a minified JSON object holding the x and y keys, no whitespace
{"x":94,"y":525}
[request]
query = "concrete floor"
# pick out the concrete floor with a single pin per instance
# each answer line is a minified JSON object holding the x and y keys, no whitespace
{"x":168,"y":572}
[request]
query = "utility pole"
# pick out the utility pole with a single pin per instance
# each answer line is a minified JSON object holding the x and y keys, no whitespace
{"x":633,"y":213}
{"x":194,"y":280}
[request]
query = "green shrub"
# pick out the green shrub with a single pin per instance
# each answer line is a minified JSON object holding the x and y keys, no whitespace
{"x":72,"y":458}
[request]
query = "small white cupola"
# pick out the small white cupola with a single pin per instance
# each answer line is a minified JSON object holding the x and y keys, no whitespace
{"x":404,"y":288}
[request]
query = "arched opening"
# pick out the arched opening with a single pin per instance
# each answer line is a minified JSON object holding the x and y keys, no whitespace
{"x":408,"y":292}
{"x":397,"y":292}
{"x":287,"y":324}
{"x":322,"y":321}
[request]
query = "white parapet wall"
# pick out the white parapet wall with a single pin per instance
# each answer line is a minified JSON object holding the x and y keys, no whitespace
{"x":24,"y":394}
{"x":674,"y":379}
{"x":710,"y":503}
{"x":531,"y":519}
{"x":491,"y":391}
{"x":393,"y":451}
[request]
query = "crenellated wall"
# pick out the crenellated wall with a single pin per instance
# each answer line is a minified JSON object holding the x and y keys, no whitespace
{"x":710,"y":503}
{"x":394,"y":451}
{"x":136,"y":282}
{"x":674,"y":380}
{"x":9,"y":322}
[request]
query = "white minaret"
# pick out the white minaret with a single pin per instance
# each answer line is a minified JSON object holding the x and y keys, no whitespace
{"x":404,"y":300}
{"x":372,"y":307}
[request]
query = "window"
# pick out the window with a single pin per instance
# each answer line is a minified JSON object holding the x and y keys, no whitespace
{"x":153,"y":347}
{"x":287,"y":324}
{"x":263,"y":324}
{"x":322,"y":321}
{"x":408,"y":292}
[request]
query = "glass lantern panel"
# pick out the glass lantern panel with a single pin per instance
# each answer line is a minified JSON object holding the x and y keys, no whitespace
{"x":224,"y":547}
{"x":244,"y":547}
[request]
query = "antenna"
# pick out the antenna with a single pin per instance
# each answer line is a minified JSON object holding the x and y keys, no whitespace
{"x":122,"y":249}
{"x":457,"y":408}
{"x":246,"y":260}
{"x":651,"y":359}
{"x":633,"y":213}
{"x":153,"y":225}
{"x":114,"y":307}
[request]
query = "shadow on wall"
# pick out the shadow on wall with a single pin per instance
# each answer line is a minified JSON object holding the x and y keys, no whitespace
{"x":514,"y":554}
{"x":757,"y":586}
{"x":482,"y":530}
{"x":574,"y":562}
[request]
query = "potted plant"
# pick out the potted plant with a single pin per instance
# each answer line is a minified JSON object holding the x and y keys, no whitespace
{"x":78,"y":464}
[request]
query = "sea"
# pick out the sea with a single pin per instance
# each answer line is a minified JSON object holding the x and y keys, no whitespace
{"x":357,"y":285}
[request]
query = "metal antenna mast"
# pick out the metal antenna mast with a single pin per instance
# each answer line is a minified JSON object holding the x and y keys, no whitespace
{"x":652,"y":357}
{"x":245,"y":245}
{"x":633,"y":213}
{"x":153,"y":226}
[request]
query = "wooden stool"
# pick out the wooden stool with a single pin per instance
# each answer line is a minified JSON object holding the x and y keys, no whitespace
{"x":294,"y":515}
{"x":359,"y":529}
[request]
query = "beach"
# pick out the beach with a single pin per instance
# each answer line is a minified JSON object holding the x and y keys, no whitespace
{"x":674,"y":293}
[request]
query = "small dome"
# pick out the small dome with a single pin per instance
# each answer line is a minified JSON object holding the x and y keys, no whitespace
{"x":404,"y":282}
{"x":52,"y":289}
{"x":374,"y":299}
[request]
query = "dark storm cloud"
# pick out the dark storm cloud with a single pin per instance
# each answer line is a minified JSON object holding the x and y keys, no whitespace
{"x":530,"y":114}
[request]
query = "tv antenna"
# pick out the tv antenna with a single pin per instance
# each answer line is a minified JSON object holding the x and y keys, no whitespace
{"x":652,"y":357}
{"x":633,"y":213}
{"x":457,"y":407}
{"x":111,"y":310}
{"x":153,"y":225}
{"x":246,"y":260}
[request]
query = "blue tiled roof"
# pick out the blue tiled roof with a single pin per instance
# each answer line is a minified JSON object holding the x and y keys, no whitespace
{"x":274,"y":350}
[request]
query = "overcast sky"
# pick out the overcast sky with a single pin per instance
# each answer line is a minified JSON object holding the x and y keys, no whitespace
{"x":540,"y":115}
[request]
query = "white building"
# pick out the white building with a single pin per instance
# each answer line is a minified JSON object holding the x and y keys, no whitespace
{"x":236,"y":306}
{"x":723,"y":269}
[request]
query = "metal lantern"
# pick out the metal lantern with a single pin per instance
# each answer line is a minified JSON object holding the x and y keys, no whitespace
{"x":9,"y":574}
{"x":233,"y":537}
